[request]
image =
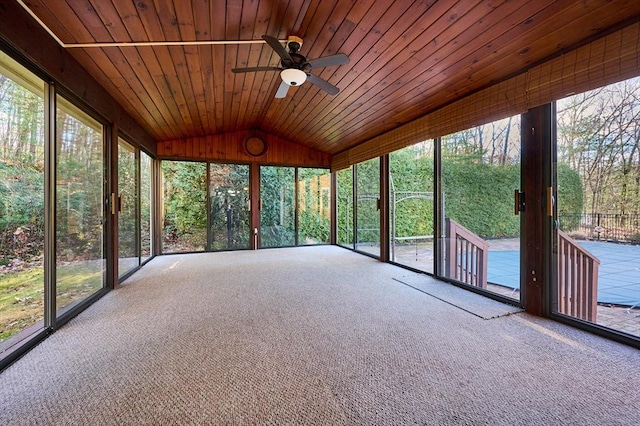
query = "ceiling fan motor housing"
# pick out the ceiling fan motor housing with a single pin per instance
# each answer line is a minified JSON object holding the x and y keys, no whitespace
{"x":294,"y":43}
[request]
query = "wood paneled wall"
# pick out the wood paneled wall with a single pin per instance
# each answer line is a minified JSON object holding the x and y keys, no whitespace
{"x":229,"y":147}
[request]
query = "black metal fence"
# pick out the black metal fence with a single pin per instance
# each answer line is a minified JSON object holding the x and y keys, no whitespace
{"x":623,"y":228}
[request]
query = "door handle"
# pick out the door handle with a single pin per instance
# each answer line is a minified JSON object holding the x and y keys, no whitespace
{"x":112,"y":202}
{"x":518,"y":202}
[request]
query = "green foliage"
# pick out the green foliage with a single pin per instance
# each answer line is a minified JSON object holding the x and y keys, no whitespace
{"x":185,"y":209}
{"x":229,"y":196}
{"x":313,"y":228}
{"x":21,"y":210}
{"x":21,"y":189}
{"x":367,"y":193}
{"x":477,"y":195}
{"x":480,"y":196}
{"x":570,"y":190}
{"x":345,"y":206}
{"x":314,"y":194}
{"x":277,"y":217}
{"x":412,"y":180}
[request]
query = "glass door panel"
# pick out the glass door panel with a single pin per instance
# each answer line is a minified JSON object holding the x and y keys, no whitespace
{"x":598,"y":207}
{"x":22,"y":208}
{"x":80,"y":206}
{"x":229,"y":203}
{"x":128,"y":258}
{"x":367,"y":207}
{"x":314,"y":208}
{"x":411,"y":204}
{"x":184,"y":219}
{"x":344,"y":206}
{"x":146,"y":209}
{"x":277,"y":209}
{"x":480,"y":171}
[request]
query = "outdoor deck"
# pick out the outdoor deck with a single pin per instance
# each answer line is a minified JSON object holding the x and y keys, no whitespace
{"x":618,"y":278}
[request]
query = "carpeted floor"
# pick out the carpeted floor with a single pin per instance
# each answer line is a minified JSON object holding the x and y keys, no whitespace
{"x":312,"y":335}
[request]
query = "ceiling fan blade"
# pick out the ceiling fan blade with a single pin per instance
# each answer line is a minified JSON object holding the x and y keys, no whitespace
{"x":282,"y":90}
{"x":327,"y":61}
{"x":279,"y":49}
{"x":323,"y":84}
{"x":252,"y":69}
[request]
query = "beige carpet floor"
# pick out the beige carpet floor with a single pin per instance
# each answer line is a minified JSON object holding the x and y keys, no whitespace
{"x":312,"y":335}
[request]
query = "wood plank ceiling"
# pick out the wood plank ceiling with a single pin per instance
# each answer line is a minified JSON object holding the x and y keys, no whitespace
{"x":407,"y":58}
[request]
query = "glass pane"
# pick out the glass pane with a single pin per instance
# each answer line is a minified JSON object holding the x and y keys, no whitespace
{"x":598,"y":192}
{"x":229,"y":198}
{"x":184,"y":222}
{"x":127,"y":252}
{"x":411,"y":203}
{"x":344,"y":181}
{"x":367,"y":211}
{"x":80,"y":261}
{"x":146,"y":210}
{"x":480,"y":171}
{"x":314,"y":206}
{"x":21,"y":202}
{"x":277,"y":214}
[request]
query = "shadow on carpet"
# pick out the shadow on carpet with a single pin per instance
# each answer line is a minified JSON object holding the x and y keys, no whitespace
{"x":475,"y":304}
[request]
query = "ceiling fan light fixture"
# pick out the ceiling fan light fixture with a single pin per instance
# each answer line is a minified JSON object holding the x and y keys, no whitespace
{"x":293,"y":77}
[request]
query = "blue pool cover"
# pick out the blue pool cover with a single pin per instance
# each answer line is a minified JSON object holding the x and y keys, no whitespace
{"x":618,"y":277}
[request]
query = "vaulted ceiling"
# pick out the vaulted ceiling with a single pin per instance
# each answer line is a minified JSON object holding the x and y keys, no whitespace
{"x":407,"y":58}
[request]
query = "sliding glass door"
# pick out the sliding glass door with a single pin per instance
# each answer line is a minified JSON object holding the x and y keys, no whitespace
{"x":277,"y":206}
{"x":184,"y":218}
{"x":411,"y":206}
{"x":344,"y":207}
{"x":80,"y":206}
{"x":598,"y":207}
{"x":367,"y":177}
{"x":480,"y":174}
{"x":206,"y":206}
{"x":127,"y":201}
{"x":229,"y":224}
{"x":57,"y":207}
{"x":22,"y":203}
{"x":314,"y":208}
{"x":146,"y":207}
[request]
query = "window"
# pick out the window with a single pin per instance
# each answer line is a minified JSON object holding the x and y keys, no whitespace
{"x":480,"y":171}
{"x":411,"y":206}
{"x":598,"y":207}
{"x":80,"y":206}
{"x":184,"y":218}
{"x":146,"y":206}
{"x":229,"y":206}
{"x":128,"y":256}
{"x":277,"y":206}
{"x":22,"y":208}
{"x":314,"y":187}
{"x":345,"y":207}
{"x":367,"y":176}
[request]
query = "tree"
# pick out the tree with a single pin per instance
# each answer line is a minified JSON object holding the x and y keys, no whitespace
{"x":599,"y":136}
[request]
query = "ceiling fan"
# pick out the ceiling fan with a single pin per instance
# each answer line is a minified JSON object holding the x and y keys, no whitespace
{"x":295,"y":68}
